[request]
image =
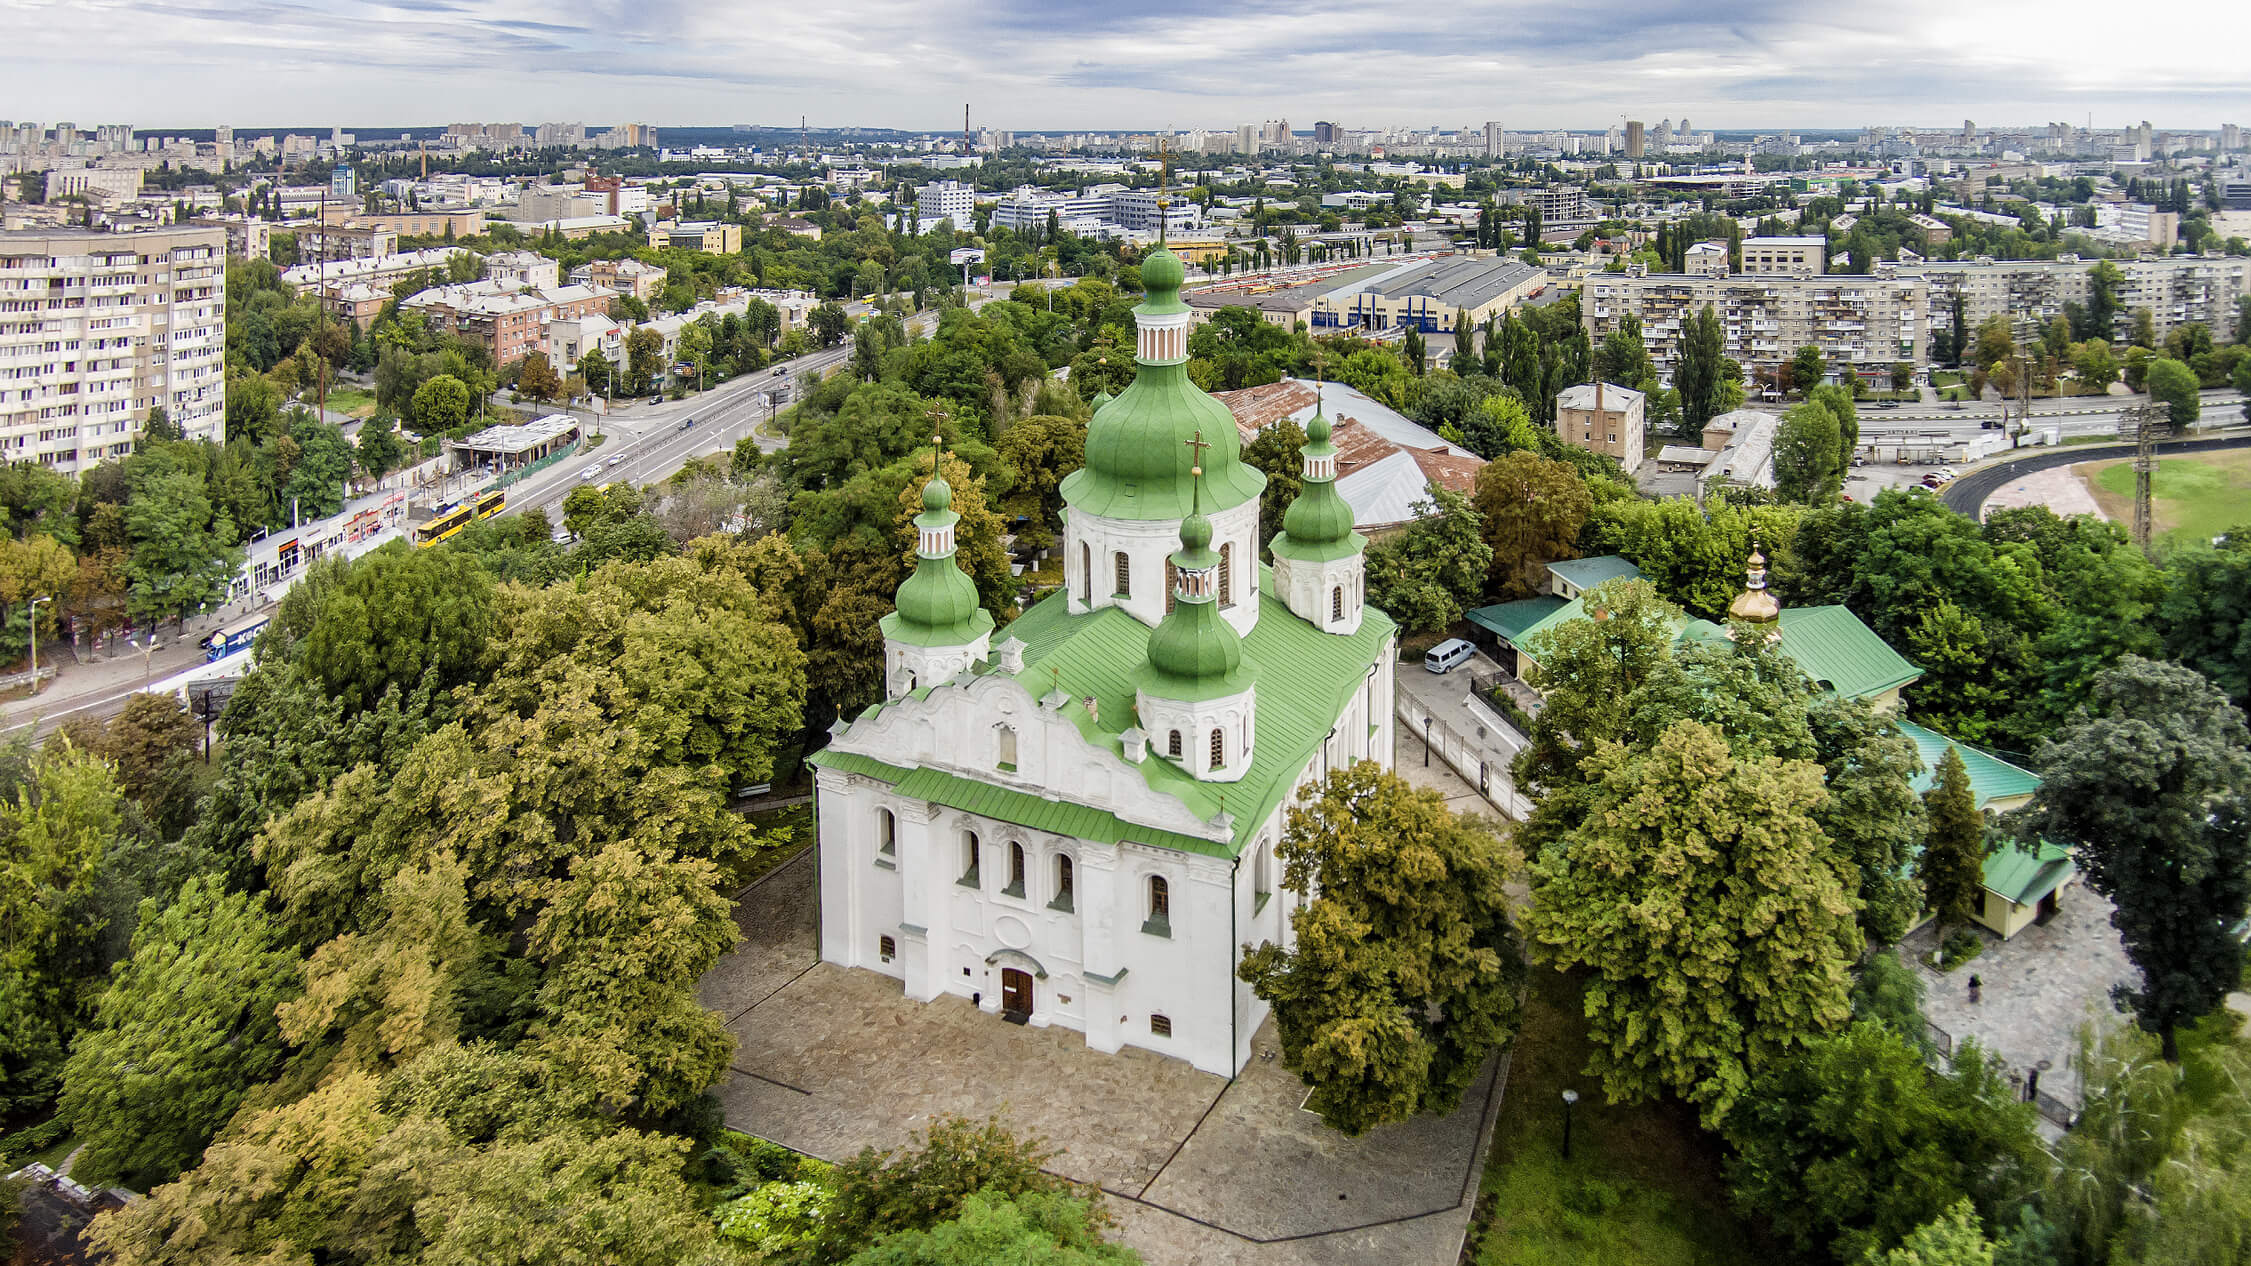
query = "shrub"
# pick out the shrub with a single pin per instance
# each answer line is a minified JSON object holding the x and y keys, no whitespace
{"x":1960,"y":946}
{"x":775,"y":1218}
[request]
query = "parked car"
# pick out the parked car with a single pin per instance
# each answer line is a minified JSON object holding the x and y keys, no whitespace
{"x":1448,"y":655}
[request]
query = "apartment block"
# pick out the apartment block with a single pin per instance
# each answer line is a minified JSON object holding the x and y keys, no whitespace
{"x":509,"y":319}
{"x":96,"y":329}
{"x":1602,"y":418}
{"x":708,"y":236}
{"x":1864,"y":323}
{"x":1787,"y":256}
{"x":2177,"y":289}
{"x":945,"y":200}
{"x":626,"y":276}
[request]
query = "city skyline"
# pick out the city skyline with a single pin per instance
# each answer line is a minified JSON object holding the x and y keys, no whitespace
{"x":882,"y":63}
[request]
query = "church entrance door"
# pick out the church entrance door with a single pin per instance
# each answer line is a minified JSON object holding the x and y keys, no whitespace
{"x":1015,"y":995}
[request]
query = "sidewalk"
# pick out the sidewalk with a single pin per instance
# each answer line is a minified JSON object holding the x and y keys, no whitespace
{"x":91,"y":681}
{"x":1470,"y":738}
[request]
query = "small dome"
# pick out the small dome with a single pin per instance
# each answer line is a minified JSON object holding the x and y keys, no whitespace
{"x":1317,"y":429}
{"x":937,"y":495}
{"x":1161,"y":270}
{"x":939,"y":602}
{"x":1195,"y":534}
{"x":1317,"y":516}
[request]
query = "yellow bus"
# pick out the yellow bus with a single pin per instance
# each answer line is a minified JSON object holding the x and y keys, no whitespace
{"x":491,"y":503}
{"x":448,"y":522}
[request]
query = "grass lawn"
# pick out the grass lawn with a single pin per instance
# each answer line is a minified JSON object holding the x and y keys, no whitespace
{"x":795,"y":821}
{"x":2194,"y":498}
{"x":1642,"y":1187}
{"x":352,"y":400}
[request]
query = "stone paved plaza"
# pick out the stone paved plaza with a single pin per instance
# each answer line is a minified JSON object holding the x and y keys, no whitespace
{"x":2038,"y":988}
{"x":1199,"y":1169}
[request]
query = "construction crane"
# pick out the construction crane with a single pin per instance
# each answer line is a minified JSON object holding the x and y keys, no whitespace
{"x":2144,"y":424}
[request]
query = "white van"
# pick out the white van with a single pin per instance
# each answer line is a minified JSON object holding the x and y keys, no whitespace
{"x":1448,"y":655}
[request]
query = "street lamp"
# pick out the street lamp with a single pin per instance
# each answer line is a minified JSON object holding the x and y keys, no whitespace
{"x":35,"y":642}
{"x":1569,"y":1097}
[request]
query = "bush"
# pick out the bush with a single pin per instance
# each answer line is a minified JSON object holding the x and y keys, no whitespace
{"x":32,"y":1138}
{"x":1593,"y":1197}
{"x":775,"y":1218}
{"x":1960,"y":946}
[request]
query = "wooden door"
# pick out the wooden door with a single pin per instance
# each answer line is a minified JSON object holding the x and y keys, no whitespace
{"x":1015,"y":992}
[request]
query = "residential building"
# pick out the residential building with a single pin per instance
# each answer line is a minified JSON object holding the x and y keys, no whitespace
{"x":558,"y":202}
{"x":1738,"y":450}
{"x":1708,"y":259}
{"x":526,"y":268}
{"x":1864,"y":324}
{"x":1076,"y":827}
{"x":344,"y":184}
{"x":507,"y":318}
{"x":1636,"y":145}
{"x":625,"y":276}
{"x":1386,"y":463}
{"x":439,"y":223}
{"x":945,"y":200}
{"x":565,"y":339}
{"x":248,"y":237}
{"x":79,"y":182}
{"x":1602,"y":418}
{"x":96,"y":329}
{"x":1785,"y":256}
{"x":1496,"y":141}
{"x":2177,"y":289}
{"x":708,"y":236}
{"x":357,"y":289}
{"x":337,"y":242}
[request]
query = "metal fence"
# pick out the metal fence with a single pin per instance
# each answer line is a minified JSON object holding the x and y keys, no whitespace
{"x":1942,"y":1047}
{"x":1481,"y":763}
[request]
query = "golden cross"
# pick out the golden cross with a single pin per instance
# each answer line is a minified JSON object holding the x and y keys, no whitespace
{"x":1198,"y":445}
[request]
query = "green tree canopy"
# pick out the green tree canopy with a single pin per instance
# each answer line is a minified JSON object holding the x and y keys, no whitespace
{"x":1406,"y":971}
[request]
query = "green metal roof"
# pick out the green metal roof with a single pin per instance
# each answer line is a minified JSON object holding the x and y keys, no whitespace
{"x":1304,"y":678}
{"x":2025,"y":877}
{"x":1513,"y":621}
{"x":1138,"y":455}
{"x":1586,"y":573}
{"x":1991,"y":778}
{"x":1841,"y":653}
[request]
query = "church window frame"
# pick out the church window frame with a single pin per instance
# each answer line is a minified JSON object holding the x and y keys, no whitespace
{"x":970,"y":877}
{"x":1160,"y":1025}
{"x":1218,"y":748}
{"x":1004,"y":747}
{"x":886,"y":948}
{"x":886,"y":832}
{"x":1336,"y":602}
{"x":1086,"y":572}
{"x":1066,"y":886}
{"x":1172,"y":745}
{"x":1158,"y":892}
{"x":1015,"y":886}
{"x":1123,"y":566}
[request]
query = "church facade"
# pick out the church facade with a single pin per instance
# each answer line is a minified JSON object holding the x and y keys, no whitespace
{"x":1076,"y":825}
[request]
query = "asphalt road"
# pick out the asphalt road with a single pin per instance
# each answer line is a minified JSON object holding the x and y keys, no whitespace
{"x":1968,"y":493}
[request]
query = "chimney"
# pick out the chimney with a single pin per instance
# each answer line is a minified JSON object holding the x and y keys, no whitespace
{"x":1598,"y":393}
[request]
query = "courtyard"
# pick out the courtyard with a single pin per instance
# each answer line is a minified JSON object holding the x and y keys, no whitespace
{"x":1197,"y":1168}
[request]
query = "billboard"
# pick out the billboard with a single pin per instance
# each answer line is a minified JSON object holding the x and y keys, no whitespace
{"x":969,"y":255}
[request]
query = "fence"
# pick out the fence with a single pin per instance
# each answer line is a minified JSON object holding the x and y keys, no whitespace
{"x":2061,"y":1114}
{"x":526,"y":472}
{"x":1482,"y":763}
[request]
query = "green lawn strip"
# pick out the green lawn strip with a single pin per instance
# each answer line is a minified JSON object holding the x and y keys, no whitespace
{"x":2195,"y":497}
{"x":1642,"y":1187}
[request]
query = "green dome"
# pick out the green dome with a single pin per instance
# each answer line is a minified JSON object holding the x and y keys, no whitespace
{"x":937,"y":496}
{"x":1195,"y":535}
{"x":1138,"y":455}
{"x":939,"y":602}
{"x":1161,"y":270}
{"x":1102,"y":398}
{"x":1317,"y":429}
{"x":1319,"y":516}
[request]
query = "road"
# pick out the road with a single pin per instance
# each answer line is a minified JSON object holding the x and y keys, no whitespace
{"x":2080,"y":415}
{"x":1967,"y":494}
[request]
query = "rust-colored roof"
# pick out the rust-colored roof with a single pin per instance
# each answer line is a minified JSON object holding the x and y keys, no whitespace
{"x":1358,"y":447}
{"x":1450,"y":471}
{"x":1256,"y":408}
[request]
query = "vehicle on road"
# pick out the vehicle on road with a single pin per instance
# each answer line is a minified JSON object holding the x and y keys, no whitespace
{"x":687,"y":424}
{"x":491,"y":503}
{"x":615,"y":460}
{"x":235,"y":637}
{"x":453,"y":518}
{"x":1448,"y":655}
{"x":779,"y":370}
{"x":592,"y":472}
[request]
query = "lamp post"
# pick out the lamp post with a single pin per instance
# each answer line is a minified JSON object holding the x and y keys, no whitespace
{"x":35,"y":642}
{"x":1569,"y":1097}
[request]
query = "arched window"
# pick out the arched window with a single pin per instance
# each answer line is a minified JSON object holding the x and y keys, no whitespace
{"x":1172,"y":584}
{"x":1336,"y":603}
{"x":1218,"y":750}
{"x":1062,"y":882}
{"x":969,"y":859}
{"x":1125,"y":576}
{"x":1227,"y":573}
{"x":1086,"y":572}
{"x":1160,"y":907}
{"x":1262,"y":873}
{"x":1172,"y":745}
{"x":886,"y":948}
{"x":1015,"y":886}
{"x":1004,"y":744}
{"x":886,"y":831}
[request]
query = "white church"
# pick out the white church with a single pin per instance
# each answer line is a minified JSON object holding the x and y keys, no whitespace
{"x":1076,"y":825}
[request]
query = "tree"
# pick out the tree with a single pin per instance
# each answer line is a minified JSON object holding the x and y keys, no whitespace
{"x":594,"y":367}
{"x":151,"y":743}
{"x":1039,"y":451}
{"x":1703,"y":352}
{"x":1871,"y":812}
{"x":1406,"y":973}
{"x":1275,"y":453}
{"x":2103,"y":281}
{"x":644,"y":360}
{"x":1953,"y":1239}
{"x":183,"y":554}
{"x":1415,"y":350}
{"x":441,"y":404}
{"x":398,"y":614}
{"x":1623,"y":358}
{"x":1699,"y":889}
{"x":882,"y":1193}
{"x":1532,"y":509}
{"x":829,"y":323}
{"x":380,"y":451}
{"x":2175,"y":386}
{"x":1427,"y":573}
{"x":1806,"y":468}
{"x":1051,"y":1228}
{"x":2149,"y":792}
{"x":185,"y":1028}
{"x":1807,"y":367}
{"x":2094,"y":364}
{"x":1952,"y":867}
{"x":537,"y":377}
{"x":1851,"y":1144}
{"x":315,"y":487}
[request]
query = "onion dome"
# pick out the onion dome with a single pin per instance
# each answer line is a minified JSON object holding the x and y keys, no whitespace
{"x":937,"y":606}
{"x":1318,"y":524}
{"x":1755,"y":605}
{"x":1193,"y":652}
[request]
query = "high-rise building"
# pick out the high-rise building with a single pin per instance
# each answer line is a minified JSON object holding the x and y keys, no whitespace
{"x":1246,"y":139}
{"x":96,"y":329}
{"x":2231,"y":136}
{"x":1326,"y":133}
{"x":946,"y":200}
{"x":1634,"y":142}
{"x":1860,"y":323}
{"x":343,"y":184}
{"x":1495,"y":145}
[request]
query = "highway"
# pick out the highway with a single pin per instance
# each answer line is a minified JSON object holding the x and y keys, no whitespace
{"x":1967,"y":494}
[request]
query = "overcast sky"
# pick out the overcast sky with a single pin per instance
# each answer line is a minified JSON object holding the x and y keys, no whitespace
{"x":1150,"y":64}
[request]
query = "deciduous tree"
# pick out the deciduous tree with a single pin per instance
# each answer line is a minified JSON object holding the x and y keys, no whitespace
{"x":1406,"y":971}
{"x":1532,"y":509}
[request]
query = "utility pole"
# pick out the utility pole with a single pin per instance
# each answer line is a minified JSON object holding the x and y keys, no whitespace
{"x":320,"y":311}
{"x":35,"y":642}
{"x":2144,"y":424}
